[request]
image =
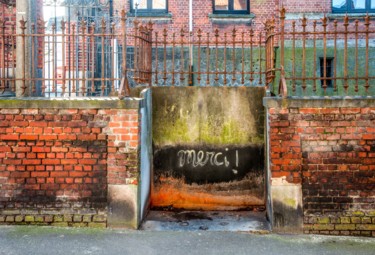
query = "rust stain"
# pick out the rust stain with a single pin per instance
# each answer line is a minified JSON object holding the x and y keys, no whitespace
{"x":170,"y":192}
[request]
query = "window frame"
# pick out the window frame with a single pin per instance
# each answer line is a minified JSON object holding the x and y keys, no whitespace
{"x":149,"y":8}
{"x":348,"y":9}
{"x":231,"y":8}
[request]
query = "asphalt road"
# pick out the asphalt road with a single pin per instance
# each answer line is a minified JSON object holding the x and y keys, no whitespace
{"x":48,"y":240}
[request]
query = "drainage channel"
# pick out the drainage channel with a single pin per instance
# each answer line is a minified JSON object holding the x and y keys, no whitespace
{"x":237,"y":221}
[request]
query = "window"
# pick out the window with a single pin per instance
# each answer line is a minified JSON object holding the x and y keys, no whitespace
{"x":148,"y":5}
{"x":231,"y":6}
{"x":343,"y":6}
{"x":329,"y":71}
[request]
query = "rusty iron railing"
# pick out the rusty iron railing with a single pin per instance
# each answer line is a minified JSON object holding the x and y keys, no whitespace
{"x":291,"y":57}
{"x":325,"y":57}
{"x":216,"y":58}
{"x":73,"y":59}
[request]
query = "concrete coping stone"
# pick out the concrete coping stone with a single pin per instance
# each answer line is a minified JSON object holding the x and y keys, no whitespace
{"x":319,"y":102}
{"x":66,"y":103}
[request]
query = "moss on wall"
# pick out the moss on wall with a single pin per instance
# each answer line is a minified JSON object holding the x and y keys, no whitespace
{"x":211,"y":116}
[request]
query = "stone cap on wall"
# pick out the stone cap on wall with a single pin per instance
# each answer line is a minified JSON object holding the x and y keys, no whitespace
{"x":77,"y":102}
{"x":318,"y":102}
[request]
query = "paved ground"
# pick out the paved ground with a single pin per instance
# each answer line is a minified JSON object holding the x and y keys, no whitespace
{"x":48,"y":240}
{"x":238,"y":221}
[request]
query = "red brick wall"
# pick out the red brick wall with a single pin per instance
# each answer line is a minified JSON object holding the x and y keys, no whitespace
{"x":201,"y":10}
{"x":331,"y":152}
{"x":63,"y":159}
{"x":307,"y":6}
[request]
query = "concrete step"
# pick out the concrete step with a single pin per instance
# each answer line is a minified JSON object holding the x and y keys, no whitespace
{"x":236,"y":221}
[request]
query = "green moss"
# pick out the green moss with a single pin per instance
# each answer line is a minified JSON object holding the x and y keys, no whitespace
{"x":229,"y":132}
{"x":345,"y":220}
{"x":29,"y":218}
{"x":324,"y":220}
{"x":358,"y":213}
{"x":39,"y":219}
{"x":176,"y":131}
{"x":211,"y":116}
{"x":290,"y":202}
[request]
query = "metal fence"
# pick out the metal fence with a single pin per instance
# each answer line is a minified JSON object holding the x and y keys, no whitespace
{"x":84,"y":58}
{"x":217,"y":58}
{"x":325,"y":56}
{"x":72,"y":59}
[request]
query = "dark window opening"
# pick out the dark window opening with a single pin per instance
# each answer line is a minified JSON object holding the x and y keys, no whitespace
{"x":231,"y":6}
{"x":353,"y":6}
{"x":329,"y":72}
{"x":145,"y":6}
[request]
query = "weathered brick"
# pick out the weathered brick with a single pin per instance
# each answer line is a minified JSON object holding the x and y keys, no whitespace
{"x":97,"y":225}
{"x":39,"y":218}
{"x":58,"y":218}
{"x":68,"y":218}
{"x":355,"y":220}
{"x":9,"y":218}
{"x":29,"y":218}
{"x":99,"y":218}
{"x":369,"y":227}
{"x":60,"y":224}
{"x":78,"y":224}
{"x":77,"y":218}
{"x":323,"y":227}
{"x":87,"y":218}
{"x":345,"y":227}
{"x":323,"y":220}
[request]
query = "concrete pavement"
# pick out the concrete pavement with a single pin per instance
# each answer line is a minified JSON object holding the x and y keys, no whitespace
{"x":49,"y":240}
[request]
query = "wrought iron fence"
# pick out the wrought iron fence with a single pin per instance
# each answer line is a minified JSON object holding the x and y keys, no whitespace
{"x":325,"y":56}
{"x":216,"y":58}
{"x":72,"y":59}
{"x":83,"y":58}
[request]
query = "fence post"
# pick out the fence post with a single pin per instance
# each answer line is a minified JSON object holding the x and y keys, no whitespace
{"x":269,"y":47}
{"x":149,"y":62}
{"x":22,"y":66}
{"x":124,"y":86}
{"x":282,"y":83}
{"x":23,"y":9}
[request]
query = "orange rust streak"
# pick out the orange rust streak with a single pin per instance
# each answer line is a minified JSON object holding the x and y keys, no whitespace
{"x":182,"y":198}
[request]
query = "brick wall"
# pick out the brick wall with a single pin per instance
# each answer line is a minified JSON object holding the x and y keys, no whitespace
{"x":201,"y":10}
{"x":56,"y":162}
{"x":331,"y":152}
{"x":296,"y":6}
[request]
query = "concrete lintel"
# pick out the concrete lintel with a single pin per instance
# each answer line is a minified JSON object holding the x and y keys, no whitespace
{"x":65,"y":103}
{"x":318,"y":102}
{"x":286,"y":206}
